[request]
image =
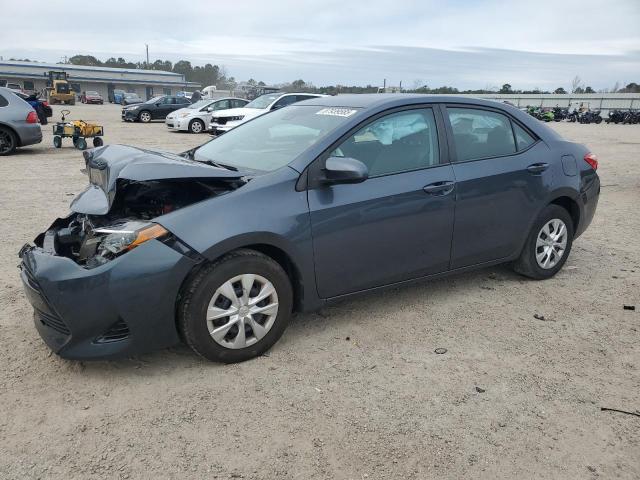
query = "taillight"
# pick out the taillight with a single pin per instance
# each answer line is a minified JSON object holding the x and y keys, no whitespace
{"x":32,"y":117}
{"x":45,"y":103}
{"x":592,"y":160}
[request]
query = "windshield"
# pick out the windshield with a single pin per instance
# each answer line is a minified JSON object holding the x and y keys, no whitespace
{"x":273,"y":140}
{"x":200,"y":104}
{"x":155,"y":99}
{"x":131,"y":95}
{"x":92,"y":93}
{"x":263,"y":101}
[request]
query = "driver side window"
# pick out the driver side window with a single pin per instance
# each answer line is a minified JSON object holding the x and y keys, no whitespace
{"x":395,"y":143}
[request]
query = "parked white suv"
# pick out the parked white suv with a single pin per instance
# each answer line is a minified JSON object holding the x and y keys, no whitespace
{"x":196,"y":117}
{"x":228,"y":119}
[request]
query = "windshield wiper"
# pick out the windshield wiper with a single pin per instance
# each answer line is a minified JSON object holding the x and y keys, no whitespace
{"x":191,"y":155}
{"x":219,"y":165}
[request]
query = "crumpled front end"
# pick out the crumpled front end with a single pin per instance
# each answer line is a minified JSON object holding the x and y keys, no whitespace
{"x":124,"y":307}
{"x":104,"y":281}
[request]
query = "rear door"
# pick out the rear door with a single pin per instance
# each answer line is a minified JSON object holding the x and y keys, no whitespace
{"x":502,"y":175}
{"x":397,"y":224}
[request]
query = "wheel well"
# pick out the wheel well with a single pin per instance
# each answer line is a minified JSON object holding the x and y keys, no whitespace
{"x":276,"y":254}
{"x":570,"y":206}
{"x":288,"y":266}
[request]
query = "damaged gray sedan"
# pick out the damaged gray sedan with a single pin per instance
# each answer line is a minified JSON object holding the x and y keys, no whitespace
{"x":327,"y":198}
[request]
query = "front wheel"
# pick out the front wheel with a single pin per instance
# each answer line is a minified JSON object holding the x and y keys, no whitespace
{"x":548,"y":245}
{"x":144,"y":117}
{"x":196,"y":126}
{"x":236,"y":308}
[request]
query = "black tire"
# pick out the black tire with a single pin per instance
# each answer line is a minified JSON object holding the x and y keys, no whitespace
{"x":144,"y":116}
{"x":81,"y":144}
{"x":97,"y":142}
{"x":57,"y":141}
{"x":527,"y":264}
{"x":196,"y":126}
{"x":200,"y":289}
{"x":8,"y":141}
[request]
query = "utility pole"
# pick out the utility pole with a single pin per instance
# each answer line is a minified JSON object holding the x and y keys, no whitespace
{"x":147,"y":45}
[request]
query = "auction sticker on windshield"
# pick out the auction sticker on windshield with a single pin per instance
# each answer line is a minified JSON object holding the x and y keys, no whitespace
{"x":337,"y":112}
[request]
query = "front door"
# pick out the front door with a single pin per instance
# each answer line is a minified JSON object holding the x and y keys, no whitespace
{"x":501,"y":179}
{"x":397,"y":224}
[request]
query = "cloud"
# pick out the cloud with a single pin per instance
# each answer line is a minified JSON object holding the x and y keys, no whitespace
{"x":461,"y":42}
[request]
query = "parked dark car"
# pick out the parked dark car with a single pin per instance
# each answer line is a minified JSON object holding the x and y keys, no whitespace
{"x":131,"y":99}
{"x":19,"y":123}
{"x":305,"y":205}
{"x":91,"y":97}
{"x":154,"y":109}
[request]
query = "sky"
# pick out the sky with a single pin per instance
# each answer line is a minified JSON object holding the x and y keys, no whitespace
{"x":462,"y":43}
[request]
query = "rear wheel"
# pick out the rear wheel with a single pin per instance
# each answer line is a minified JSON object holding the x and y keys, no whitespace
{"x":144,"y":116}
{"x":8,"y":141}
{"x":97,"y":142}
{"x":236,"y":308}
{"x":81,"y":144}
{"x":57,"y":141}
{"x":196,"y":126}
{"x":548,"y":245}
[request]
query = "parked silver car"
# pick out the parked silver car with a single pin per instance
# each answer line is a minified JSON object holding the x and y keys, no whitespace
{"x":196,"y":117}
{"x":19,"y":124}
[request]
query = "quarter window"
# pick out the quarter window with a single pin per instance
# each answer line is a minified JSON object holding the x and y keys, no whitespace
{"x":480,"y":133}
{"x":3,"y":101}
{"x":395,"y":143}
{"x":523,"y":139}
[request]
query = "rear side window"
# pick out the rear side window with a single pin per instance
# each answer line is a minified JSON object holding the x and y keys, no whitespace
{"x":3,"y":101}
{"x":523,"y":139}
{"x":480,"y":133}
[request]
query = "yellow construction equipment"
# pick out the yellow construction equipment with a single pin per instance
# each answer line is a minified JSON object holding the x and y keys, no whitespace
{"x":59,"y":89}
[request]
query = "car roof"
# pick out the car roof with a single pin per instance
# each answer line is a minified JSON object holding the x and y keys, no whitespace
{"x":375,"y":100}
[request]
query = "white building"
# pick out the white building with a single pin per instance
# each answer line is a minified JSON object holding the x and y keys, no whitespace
{"x":32,"y":76}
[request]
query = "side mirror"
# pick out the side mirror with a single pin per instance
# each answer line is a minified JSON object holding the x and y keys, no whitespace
{"x":209,"y":109}
{"x":158,"y":104}
{"x":339,"y":170}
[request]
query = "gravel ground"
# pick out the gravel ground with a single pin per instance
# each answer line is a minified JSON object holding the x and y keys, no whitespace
{"x":356,"y":390}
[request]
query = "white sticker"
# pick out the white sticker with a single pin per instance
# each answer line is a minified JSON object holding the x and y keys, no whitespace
{"x":337,"y":112}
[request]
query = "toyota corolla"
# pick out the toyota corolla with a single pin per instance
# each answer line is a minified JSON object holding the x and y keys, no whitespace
{"x":328,"y":198}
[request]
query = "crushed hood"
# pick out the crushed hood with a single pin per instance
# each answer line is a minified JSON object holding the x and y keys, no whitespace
{"x":110,"y":166}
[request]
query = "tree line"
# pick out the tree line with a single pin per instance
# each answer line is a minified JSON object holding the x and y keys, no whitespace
{"x":215,"y":75}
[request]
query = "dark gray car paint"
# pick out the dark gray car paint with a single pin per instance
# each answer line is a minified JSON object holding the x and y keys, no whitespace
{"x":344,"y":239}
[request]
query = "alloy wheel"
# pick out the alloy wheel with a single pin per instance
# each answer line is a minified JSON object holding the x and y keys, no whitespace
{"x":551,"y":243}
{"x":242,"y":311}
{"x":145,"y":117}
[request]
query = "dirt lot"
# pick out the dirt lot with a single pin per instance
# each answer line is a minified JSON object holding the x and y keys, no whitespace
{"x":355,"y":391}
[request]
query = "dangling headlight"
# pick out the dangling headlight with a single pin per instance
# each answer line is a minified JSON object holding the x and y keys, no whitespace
{"x":127,"y":236}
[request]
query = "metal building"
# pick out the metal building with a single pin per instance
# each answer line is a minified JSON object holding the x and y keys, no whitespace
{"x":31,"y":76}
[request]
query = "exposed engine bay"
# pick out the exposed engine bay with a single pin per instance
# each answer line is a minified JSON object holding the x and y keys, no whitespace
{"x":92,"y":240}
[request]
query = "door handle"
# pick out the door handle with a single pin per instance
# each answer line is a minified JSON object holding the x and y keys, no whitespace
{"x":439,"y":188}
{"x":537,"y":167}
